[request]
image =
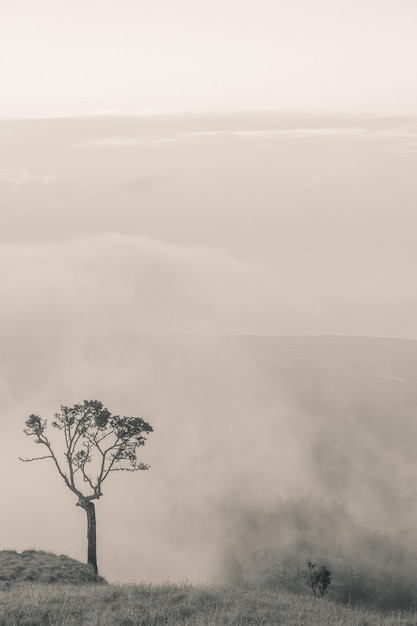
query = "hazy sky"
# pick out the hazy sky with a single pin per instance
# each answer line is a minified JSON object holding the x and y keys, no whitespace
{"x":81,"y":57}
{"x":310,"y":210}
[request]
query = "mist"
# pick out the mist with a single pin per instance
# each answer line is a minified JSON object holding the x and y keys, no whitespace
{"x":274,"y":357}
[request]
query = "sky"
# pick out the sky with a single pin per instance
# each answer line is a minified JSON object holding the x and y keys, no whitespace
{"x":78,"y":58}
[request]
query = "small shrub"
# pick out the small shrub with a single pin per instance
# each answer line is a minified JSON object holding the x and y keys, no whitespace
{"x":317,"y":578}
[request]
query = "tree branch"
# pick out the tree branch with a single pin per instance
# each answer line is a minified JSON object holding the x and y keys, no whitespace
{"x":36,"y":458}
{"x":86,"y":426}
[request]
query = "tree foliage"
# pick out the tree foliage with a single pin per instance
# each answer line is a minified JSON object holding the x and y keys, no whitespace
{"x":95,"y":444}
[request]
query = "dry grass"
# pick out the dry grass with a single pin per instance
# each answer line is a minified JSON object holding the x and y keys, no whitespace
{"x":43,"y":567}
{"x":153,"y":605}
{"x":44,"y":589}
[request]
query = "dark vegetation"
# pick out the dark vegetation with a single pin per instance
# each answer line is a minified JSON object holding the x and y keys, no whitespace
{"x":317,"y":578}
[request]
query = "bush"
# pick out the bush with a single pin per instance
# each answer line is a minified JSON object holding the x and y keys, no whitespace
{"x":317,"y":578}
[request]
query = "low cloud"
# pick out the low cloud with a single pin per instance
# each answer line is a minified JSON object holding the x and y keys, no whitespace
{"x":105,"y":317}
{"x":66,"y":294}
{"x":112,"y":142}
{"x":140,"y":183}
{"x":15,"y":179}
{"x":270,"y":134}
{"x":152,"y":329}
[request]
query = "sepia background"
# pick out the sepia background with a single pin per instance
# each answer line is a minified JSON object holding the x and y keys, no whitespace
{"x":207,"y":218}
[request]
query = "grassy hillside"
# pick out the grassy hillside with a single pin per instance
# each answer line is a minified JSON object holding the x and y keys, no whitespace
{"x":43,"y":567}
{"x":147,"y":605}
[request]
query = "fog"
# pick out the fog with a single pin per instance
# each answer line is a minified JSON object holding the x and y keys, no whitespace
{"x":191,"y":271}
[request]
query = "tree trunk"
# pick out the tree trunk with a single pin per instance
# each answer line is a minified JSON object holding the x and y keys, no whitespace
{"x":90,"y":510}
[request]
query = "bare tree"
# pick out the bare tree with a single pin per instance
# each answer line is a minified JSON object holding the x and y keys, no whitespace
{"x":92,"y":444}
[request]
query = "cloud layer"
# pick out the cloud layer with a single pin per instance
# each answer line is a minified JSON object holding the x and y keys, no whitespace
{"x":148,"y":328}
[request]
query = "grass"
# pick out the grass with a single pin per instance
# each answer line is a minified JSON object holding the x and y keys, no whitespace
{"x":44,"y":589}
{"x":29,"y":604}
{"x":43,"y":567}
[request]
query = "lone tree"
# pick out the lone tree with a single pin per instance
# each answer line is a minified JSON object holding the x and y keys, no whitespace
{"x":92,"y":444}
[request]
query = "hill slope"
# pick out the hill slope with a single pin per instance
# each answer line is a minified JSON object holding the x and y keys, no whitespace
{"x":36,"y":566}
{"x":146,"y":605}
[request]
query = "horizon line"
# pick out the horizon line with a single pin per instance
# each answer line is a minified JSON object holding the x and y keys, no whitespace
{"x":154,"y":113}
